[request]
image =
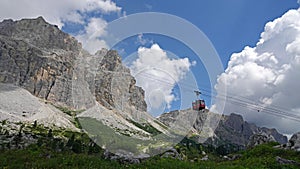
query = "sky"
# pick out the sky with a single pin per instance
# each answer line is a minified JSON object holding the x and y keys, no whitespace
{"x":257,"y":43}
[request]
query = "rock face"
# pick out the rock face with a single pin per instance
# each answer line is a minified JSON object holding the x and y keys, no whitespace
{"x":38,"y":57}
{"x":258,"y":139}
{"x":52,"y":65}
{"x":284,"y":161}
{"x":294,"y":142}
{"x":114,"y":85}
{"x":231,"y":131}
{"x":235,"y":130}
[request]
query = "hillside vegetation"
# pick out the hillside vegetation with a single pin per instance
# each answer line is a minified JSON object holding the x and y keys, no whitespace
{"x":78,"y":151}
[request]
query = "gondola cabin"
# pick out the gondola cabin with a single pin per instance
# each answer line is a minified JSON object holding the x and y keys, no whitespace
{"x":198,"y":105}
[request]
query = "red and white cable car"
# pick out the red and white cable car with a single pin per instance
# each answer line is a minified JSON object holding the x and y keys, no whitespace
{"x":198,"y":104}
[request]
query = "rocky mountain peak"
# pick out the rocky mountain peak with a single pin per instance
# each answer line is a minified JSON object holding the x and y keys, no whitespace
{"x":101,"y":52}
{"x":234,"y":121}
{"x":52,"y":65}
{"x":39,"y":33}
{"x":230,"y":129}
{"x":111,"y":60}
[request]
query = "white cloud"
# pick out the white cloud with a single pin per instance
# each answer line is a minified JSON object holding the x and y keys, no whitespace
{"x":90,"y":36}
{"x":55,"y":11}
{"x":157,"y":74}
{"x":267,"y":74}
{"x":142,"y":40}
{"x":60,"y":11}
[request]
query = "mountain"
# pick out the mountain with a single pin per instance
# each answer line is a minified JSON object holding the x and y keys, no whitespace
{"x":52,"y":66}
{"x":46,"y":77}
{"x":228,"y":132}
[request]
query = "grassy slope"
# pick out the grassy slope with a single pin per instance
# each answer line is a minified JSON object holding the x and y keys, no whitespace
{"x":262,"y":156}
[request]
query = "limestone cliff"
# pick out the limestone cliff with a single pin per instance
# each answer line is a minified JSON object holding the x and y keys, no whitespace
{"x":52,"y":65}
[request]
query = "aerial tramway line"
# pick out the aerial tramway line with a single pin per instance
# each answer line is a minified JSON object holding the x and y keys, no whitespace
{"x":199,"y":104}
{"x":235,"y":100}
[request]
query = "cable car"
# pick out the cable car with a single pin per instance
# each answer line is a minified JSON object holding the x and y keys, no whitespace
{"x":198,"y":104}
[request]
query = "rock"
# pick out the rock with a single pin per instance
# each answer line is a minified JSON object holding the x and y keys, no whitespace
{"x":205,"y":158}
{"x":52,"y":65}
{"x":274,"y":133}
{"x":231,"y":133}
{"x":235,"y":157}
{"x":233,"y":129}
{"x":258,"y":139}
{"x":172,"y":153}
{"x":295,"y":142}
{"x":39,"y":33}
{"x":38,"y":57}
{"x":283,"y":161}
{"x":125,"y":157}
{"x":115,"y":86}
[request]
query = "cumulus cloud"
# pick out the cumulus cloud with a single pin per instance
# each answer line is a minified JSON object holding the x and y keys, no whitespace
{"x":90,"y":36}
{"x":157,"y":74}
{"x":267,"y":74}
{"x":55,"y":11}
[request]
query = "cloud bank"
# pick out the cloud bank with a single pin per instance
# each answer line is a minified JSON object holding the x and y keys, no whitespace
{"x":157,"y":74}
{"x":267,"y":74}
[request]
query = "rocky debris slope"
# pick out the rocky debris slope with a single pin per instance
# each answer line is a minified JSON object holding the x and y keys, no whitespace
{"x":221,"y":130}
{"x":18,"y":105}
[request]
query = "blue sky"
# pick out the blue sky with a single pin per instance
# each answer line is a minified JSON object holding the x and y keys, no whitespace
{"x":230,"y":25}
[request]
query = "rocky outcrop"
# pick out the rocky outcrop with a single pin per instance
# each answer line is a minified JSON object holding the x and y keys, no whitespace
{"x":284,"y":161}
{"x":258,"y":139}
{"x":295,"y":142}
{"x":38,"y":57}
{"x":39,"y":33}
{"x":114,"y":85}
{"x":125,"y":157}
{"x":234,"y":129}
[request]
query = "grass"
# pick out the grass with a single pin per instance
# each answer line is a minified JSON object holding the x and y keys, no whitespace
{"x":260,"y":157}
{"x":71,"y":113}
{"x":146,"y":127}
